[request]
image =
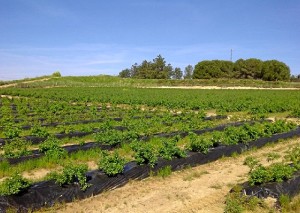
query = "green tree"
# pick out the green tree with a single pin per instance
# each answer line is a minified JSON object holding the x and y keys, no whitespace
{"x":177,"y":73}
{"x":56,"y":74}
{"x":188,"y":72}
{"x":126,"y":73}
{"x":274,"y":70}
{"x":155,"y":69}
{"x":213,"y":69}
{"x":248,"y":69}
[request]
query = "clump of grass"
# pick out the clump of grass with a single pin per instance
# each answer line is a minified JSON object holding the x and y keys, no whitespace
{"x":164,"y":172}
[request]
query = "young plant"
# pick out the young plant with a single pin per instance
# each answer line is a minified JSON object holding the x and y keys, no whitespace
{"x":111,"y":164}
{"x":251,"y":162}
{"x":145,"y":153}
{"x":52,"y":149}
{"x":39,"y":131}
{"x":170,"y":150}
{"x":199,"y":144}
{"x":11,"y":132}
{"x":72,"y":174}
{"x":14,"y":185}
{"x":16,"y":148}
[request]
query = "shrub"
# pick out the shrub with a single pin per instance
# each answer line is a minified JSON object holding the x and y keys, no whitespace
{"x":294,"y":157}
{"x":56,"y":74}
{"x":13,"y":185}
{"x":72,"y":174}
{"x":164,"y":172}
{"x":145,"y":153}
{"x":52,"y":149}
{"x":276,"y":172}
{"x":39,"y":131}
{"x":280,"y":172}
{"x":170,"y":150}
{"x":12,"y":132}
{"x":259,"y":175}
{"x":16,"y":148}
{"x":199,"y":144}
{"x":111,"y":164}
{"x":251,"y":162}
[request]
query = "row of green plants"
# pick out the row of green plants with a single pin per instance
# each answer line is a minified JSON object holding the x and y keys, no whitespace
{"x":282,"y":169}
{"x":252,"y":101}
{"x":231,"y":135}
{"x":149,"y":153}
{"x":276,"y":172}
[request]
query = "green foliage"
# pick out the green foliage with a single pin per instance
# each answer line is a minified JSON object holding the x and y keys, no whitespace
{"x":199,"y":144}
{"x":111,"y":164}
{"x":126,"y":73}
{"x":11,"y":132}
{"x":13,"y":185}
{"x":213,"y":69}
{"x":164,"y":172}
{"x":251,"y":162}
{"x":236,"y":202}
{"x":72,"y":174}
{"x":272,"y":156}
{"x":158,"y":69}
{"x":294,"y":157}
{"x":252,"y":68}
{"x":274,"y":70}
{"x":188,"y":72}
{"x":115,"y":137}
{"x":16,"y":148}
{"x":52,"y":149}
{"x":275,"y":173}
{"x":145,"y":153}
{"x":56,"y":74}
{"x":259,"y":175}
{"x":39,"y":131}
{"x":284,"y":200}
{"x":169,"y":150}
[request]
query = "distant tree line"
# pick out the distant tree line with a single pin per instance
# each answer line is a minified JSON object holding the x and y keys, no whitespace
{"x":155,"y":69}
{"x":270,"y":70}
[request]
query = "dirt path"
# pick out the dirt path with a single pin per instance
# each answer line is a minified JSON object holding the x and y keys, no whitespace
{"x":223,"y":87}
{"x":24,"y":82}
{"x":198,"y":189}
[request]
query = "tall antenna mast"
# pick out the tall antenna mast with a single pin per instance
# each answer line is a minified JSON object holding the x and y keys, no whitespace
{"x":231,"y":55}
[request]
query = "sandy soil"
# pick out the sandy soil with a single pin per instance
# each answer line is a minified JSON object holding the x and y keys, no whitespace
{"x":198,"y":189}
{"x":218,"y":87}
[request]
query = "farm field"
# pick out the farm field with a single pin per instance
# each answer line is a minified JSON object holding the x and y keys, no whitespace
{"x":55,"y":133}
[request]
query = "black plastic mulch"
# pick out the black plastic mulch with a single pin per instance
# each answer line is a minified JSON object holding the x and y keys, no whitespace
{"x":47,"y":193}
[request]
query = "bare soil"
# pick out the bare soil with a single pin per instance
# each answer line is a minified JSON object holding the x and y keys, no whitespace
{"x":199,"y":189}
{"x":225,"y":87}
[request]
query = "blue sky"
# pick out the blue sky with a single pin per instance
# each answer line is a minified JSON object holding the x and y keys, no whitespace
{"x":92,"y":37}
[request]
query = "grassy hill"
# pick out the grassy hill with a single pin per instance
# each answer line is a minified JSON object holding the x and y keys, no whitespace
{"x":113,"y":81}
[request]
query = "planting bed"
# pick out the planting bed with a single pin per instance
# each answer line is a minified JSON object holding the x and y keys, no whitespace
{"x":39,"y":195}
{"x":142,"y":131}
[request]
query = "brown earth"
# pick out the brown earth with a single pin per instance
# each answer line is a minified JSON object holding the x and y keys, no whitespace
{"x":199,"y":189}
